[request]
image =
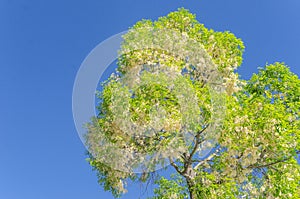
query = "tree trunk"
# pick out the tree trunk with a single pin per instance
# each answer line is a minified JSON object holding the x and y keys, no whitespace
{"x":190,"y":180}
{"x":191,"y":188}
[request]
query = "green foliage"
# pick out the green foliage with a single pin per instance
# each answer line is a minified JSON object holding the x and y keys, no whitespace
{"x":145,"y":115}
{"x":225,"y":49}
{"x":173,"y":188}
{"x":111,"y":179}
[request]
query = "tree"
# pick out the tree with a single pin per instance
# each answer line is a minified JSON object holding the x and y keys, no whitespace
{"x":176,"y":99}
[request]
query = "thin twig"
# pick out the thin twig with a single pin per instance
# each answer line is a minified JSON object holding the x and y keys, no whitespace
{"x":267,"y":165}
{"x":197,"y":142}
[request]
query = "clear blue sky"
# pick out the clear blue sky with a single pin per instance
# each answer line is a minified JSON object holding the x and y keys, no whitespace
{"x":42,"y":44}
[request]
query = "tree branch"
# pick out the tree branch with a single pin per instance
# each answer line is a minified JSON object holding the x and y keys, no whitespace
{"x":175,"y":166}
{"x":189,"y":161}
{"x":265,"y":174}
{"x":267,"y":165}
{"x":197,"y":142}
{"x":208,"y":158}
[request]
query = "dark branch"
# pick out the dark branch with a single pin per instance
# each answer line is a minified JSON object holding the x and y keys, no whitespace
{"x":265,"y":174}
{"x":188,"y":160}
{"x":175,"y":166}
{"x":267,"y":165}
{"x":198,"y":141}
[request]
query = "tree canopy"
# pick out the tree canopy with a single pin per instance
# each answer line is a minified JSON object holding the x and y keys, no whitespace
{"x":176,"y":99}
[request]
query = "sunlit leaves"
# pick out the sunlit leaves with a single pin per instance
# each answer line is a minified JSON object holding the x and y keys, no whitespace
{"x":162,"y":92}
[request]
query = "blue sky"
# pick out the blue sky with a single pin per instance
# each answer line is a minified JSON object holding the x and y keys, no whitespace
{"x":42,"y":44}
